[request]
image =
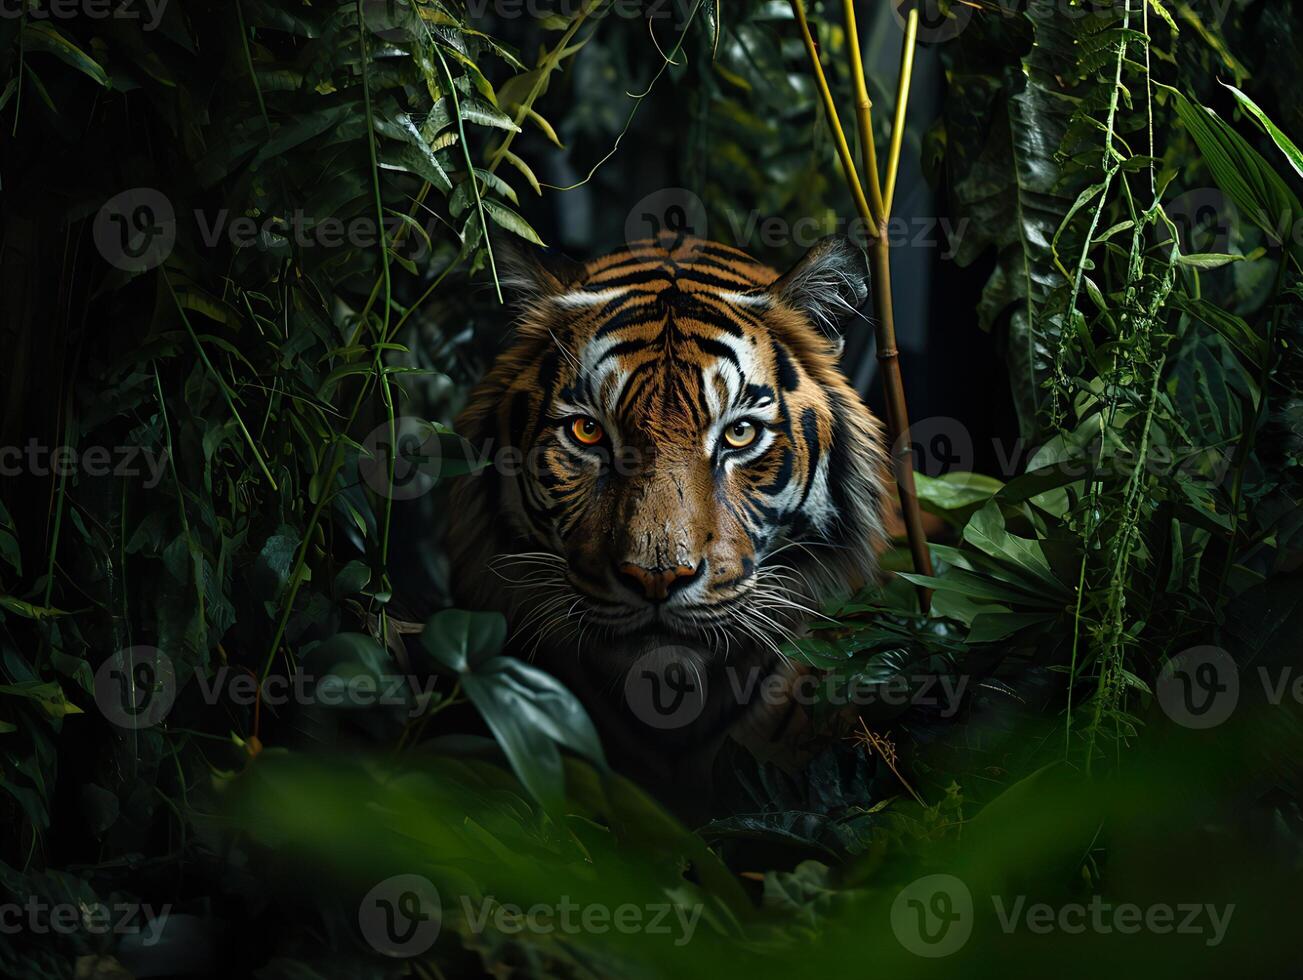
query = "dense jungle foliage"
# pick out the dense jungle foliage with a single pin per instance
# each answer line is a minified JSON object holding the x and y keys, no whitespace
{"x":245,"y":242}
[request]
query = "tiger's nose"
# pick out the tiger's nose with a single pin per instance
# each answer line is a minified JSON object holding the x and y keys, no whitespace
{"x":656,"y":584}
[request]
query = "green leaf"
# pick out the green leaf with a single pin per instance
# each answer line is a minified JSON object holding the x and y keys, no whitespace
{"x":531,"y":713}
{"x":1286,"y":145}
{"x":1207,"y":260}
{"x":473,"y":110}
{"x":414,"y":154}
{"x":1004,"y":135}
{"x":975,"y":586}
{"x":1235,"y":330}
{"x":42,"y":36}
{"x":458,"y":639}
{"x":508,"y":219}
{"x":524,"y":169}
{"x":1241,"y":172}
{"x":10,"y":551}
{"x":27,"y":610}
{"x":955,"y":491}
{"x":48,"y":695}
{"x":352,"y":578}
{"x":986,"y":532}
{"x":991,"y":627}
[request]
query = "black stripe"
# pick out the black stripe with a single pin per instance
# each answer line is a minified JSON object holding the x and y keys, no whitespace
{"x":685,"y":304}
{"x":711,"y":262}
{"x":634,"y":316}
{"x":643,"y":277}
{"x":720,"y":350}
{"x":625,"y":347}
{"x":810,"y":429}
{"x":788,"y":379}
{"x":783,"y":477}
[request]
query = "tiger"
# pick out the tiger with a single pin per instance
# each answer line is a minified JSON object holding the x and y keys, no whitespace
{"x":693,"y":477}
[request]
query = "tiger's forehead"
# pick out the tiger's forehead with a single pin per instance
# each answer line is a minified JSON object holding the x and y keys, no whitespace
{"x":672,"y":329}
{"x":691,"y":262}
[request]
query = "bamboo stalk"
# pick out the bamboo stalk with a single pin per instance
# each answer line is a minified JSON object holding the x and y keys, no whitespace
{"x":877,"y":214}
{"x":902,"y":103}
{"x":864,"y":122}
{"x":888,"y":355}
{"x":834,"y":123}
{"x":893,"y":384}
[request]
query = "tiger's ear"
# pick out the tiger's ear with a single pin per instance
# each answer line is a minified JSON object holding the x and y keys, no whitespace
{"x":534,"y":272}
{"x":829,"y":284}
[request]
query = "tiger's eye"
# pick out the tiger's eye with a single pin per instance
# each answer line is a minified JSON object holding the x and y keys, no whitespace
{"x":586,"y":430}
{"x":741,"y":434}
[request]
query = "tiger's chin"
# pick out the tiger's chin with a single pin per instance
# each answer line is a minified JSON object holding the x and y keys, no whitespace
{"x":610,"y":639}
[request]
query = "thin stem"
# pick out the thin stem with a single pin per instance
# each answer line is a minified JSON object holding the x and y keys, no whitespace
{"x":834,"y":123}
{"x":248,"y":63}
{"x":470,"y":171}
{"x":888,"y":355}
{"x":547,"y":63}
{"x":864,"y":120}
{"x":221,"y":384}
{"x":375,"y":171}
{"x":902,"y":104}
{"x":325,"y":496}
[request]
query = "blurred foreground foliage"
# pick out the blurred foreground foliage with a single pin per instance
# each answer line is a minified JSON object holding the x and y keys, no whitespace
{"x":1142,"y":221}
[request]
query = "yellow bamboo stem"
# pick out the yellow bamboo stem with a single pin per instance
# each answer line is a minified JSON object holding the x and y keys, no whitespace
{"x":877,"y":215}
{"x":902,"y":103}
{"x":864,"y":120}
{"x":834,"y":123}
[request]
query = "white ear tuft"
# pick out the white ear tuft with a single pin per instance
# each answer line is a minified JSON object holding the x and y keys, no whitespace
{"x":829,"y":284}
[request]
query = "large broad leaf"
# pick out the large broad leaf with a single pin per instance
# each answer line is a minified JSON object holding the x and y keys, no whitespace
{"x":987,"y":533}
{"x":461,"y":640}
{"x":1015,"y":193}
{"x":1243,"y":175}
{"x":530,"y":712}
{"x":954,"y":491}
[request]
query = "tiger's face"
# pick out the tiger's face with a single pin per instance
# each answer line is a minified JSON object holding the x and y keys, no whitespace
{"x":694,"y":465}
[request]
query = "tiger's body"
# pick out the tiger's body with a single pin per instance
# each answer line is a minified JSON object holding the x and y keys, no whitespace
{"x":693,"y":475}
